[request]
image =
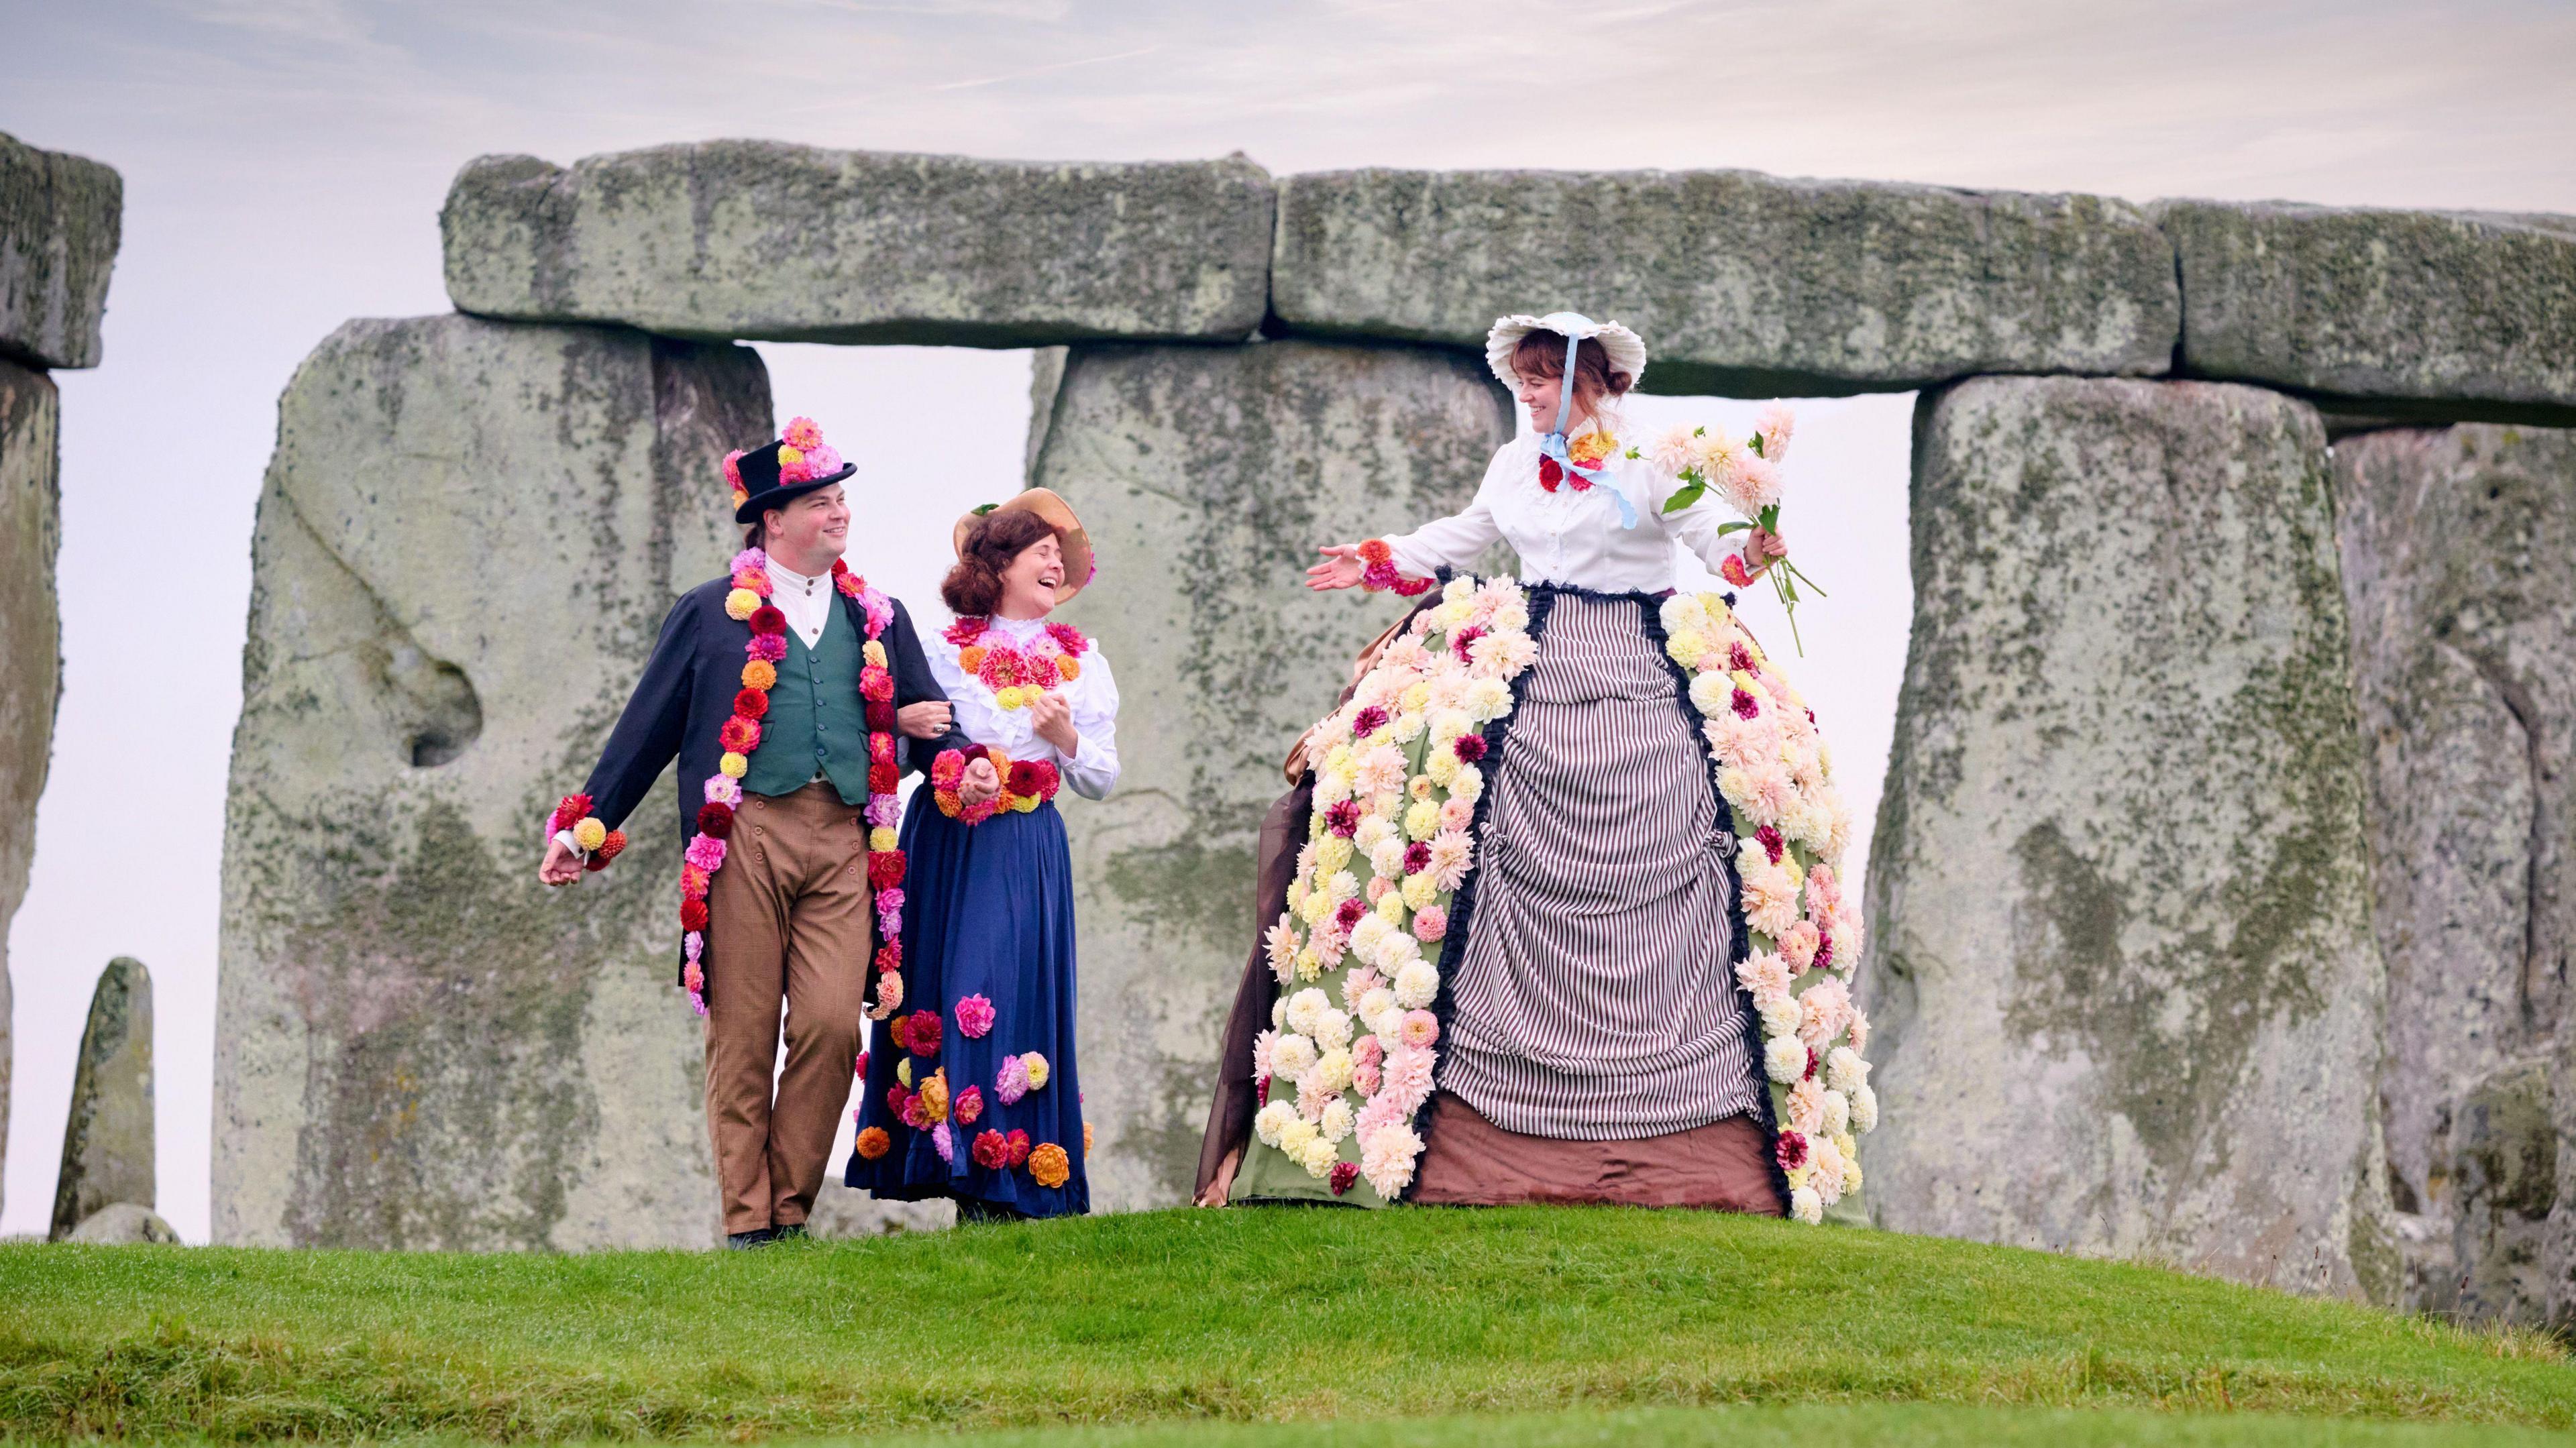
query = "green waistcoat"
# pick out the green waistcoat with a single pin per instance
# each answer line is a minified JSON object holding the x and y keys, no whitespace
{"x":816,"y":719}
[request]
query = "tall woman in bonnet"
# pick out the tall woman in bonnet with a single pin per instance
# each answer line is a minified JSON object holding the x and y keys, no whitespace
{"x":972,"y":1091}
{"x":1547,"y":1009}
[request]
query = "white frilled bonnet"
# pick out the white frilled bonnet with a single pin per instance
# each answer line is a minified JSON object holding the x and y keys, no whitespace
{"x":1627,"y":352}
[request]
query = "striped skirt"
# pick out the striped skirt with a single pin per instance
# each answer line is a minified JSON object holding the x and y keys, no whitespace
{"x":1596,"y":998}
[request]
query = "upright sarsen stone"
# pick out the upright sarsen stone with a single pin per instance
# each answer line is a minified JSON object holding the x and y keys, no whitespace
{"x":796,"y":243}
{"x":1206,"y":477}
{"x":30,"y":642}
{"x":1744,"y":284}
{"x":2128,"y":999}
{"x":60,"y":220}
{"x":2445,"y":311}
{"x":468,"y":539}
{"x":108,"y":1139}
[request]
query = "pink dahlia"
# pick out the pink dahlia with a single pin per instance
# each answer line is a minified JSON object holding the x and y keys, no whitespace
{"x":1430,"y":923}
{"x":974,"y":1017}
{"x":1452,"y":854}
{"x":1420,"y":1029}
{"x":1012,"y":1081}
{"x":1457,"y":814}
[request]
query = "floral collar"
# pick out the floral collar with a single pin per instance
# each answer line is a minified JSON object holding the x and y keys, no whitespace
{"x":1017,"y":670}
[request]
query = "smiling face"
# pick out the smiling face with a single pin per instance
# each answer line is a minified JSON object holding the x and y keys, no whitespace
{"x":810,"y":531}
{"x":1539,"y":397}
{"x":1029,"y":584}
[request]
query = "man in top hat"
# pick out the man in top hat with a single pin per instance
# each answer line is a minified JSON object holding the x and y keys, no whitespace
{"x":787,"y":691}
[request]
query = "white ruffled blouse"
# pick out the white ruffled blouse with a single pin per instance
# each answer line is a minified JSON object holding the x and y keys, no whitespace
{"x":1093,"y":769}
{"x":1568,"y":537}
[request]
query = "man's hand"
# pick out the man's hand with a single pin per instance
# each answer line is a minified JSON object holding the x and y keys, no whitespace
{"x":981,"y":782}
{"x":926,"y":720}
{"x":1052,"y":717}
{"x":562,"y":865}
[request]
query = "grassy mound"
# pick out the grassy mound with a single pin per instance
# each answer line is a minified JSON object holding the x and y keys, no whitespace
{"x":1598,"y":1317}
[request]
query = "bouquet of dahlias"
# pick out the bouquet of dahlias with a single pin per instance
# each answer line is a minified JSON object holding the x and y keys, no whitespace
{"x":1747,"y":475}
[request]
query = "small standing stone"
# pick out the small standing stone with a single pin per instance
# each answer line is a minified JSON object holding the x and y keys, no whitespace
{"x":124,"y":1224}
{"x":107,"y":1146}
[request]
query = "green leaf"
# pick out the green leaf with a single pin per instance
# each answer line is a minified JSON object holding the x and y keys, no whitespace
{"x":980,"y":509}
{"x":1684,"y":496}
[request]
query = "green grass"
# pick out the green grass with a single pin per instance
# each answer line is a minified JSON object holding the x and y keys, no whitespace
{"x":1608,"y":1325}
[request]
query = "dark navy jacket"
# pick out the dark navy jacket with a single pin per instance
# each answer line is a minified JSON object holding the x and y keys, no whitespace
{"x":687,"y":692}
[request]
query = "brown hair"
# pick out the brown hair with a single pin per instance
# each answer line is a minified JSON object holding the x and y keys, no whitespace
{"x":974,"y":585}
{"x":1541,"y":353}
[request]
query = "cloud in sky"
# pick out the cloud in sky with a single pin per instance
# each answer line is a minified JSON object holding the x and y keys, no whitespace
{"x":285,"y":160}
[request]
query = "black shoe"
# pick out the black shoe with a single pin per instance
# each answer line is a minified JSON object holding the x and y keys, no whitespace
{"x":756,"y":1237}
{"x":788,"y":1234}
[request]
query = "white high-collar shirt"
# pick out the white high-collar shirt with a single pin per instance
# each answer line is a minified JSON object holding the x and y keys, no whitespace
{"x":807,"y":602}
{"x":1567,"y":537}
{"x":1093,"y":769}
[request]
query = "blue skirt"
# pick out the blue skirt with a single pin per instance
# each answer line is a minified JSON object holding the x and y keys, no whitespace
{"x":988,"y":911}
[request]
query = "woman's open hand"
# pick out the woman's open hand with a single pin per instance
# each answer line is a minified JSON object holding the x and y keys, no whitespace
{"x":1341,"y":568}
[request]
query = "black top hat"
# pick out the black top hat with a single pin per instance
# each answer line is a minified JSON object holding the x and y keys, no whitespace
{"x":763,"y":490}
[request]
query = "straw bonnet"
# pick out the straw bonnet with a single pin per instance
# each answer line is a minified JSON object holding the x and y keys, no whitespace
{"x":1079,"y":568}
{"x":1627,"y":352}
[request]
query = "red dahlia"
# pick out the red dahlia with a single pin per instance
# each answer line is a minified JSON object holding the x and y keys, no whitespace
{"x":861,"y":1069}
{"x":1344,"y":1173}
{"x":882,"y":778}
{"x":992,"y":1150}
{"x":766,"y":619}
{"x":693,"y":915}
{"x":1791,"y":1152}
{"x":611,"y":847}
{"x":1370,"y":720}
{"x":923,"y":1038}
{"x":751,"y":703}
{"x":1468,"y":747}
{"x":1019,"y":1141}
{"x":1025,"y":778}
{"x":885,"y":870}
{"x":573,"y":809}
{"x":880,"y":715}
{"x":715,"y":818}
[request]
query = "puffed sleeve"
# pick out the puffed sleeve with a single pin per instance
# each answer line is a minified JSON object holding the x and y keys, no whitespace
{"x":915,"y":682}
{"x":1458,"y":540}
{"x":1697,"y":527}
{"x":1093,"y":769}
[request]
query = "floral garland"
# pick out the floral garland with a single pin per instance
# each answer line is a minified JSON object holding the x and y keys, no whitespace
{"x":1775,"y":772}
{"x":1026,"y":784}
{"x":1388,"y":847}
{"x":1018,"y":673}
{"x":597,"y":842}
{"x":747,"y":603}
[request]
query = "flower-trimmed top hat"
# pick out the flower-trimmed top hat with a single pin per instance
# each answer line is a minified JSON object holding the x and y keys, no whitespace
{"x":1626,"y":350}
{"x":1079,"y":566}
{"x":776,"y":474}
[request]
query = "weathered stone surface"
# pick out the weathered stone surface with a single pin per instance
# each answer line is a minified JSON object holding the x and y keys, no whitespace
{"x":31,"y":668}
{"x":2128,"y":999}
{"x":2439,"y":308}
{"x":468,"y":539}
{"x":1206,"y":477}
{"x":1740,"y":283}
{"x":107,"y":1142}
{"x":794,"y":243}
{"x":2455,"y":546}
{"x":125,"y":1225}
{"x":2505,"y":1165}
{"x":60,"y":218}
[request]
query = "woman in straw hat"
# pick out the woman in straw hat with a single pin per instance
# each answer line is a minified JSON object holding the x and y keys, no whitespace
{"x":973,"y":1092}
{"x":1503,"y":968}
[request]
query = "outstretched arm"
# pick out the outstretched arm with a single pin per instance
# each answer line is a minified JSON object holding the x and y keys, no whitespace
{"x":1452,"y":542}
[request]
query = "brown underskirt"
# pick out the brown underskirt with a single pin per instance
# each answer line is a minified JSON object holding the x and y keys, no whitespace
{"x":1470,"y":1162}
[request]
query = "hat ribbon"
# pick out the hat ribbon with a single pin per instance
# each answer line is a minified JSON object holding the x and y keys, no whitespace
{"x":1553,"y":445}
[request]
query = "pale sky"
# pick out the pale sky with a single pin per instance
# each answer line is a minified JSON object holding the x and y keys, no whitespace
{"x":284,"y":161}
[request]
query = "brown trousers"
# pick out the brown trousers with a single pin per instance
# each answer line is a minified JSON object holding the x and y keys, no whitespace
{"x":788,"y":921}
